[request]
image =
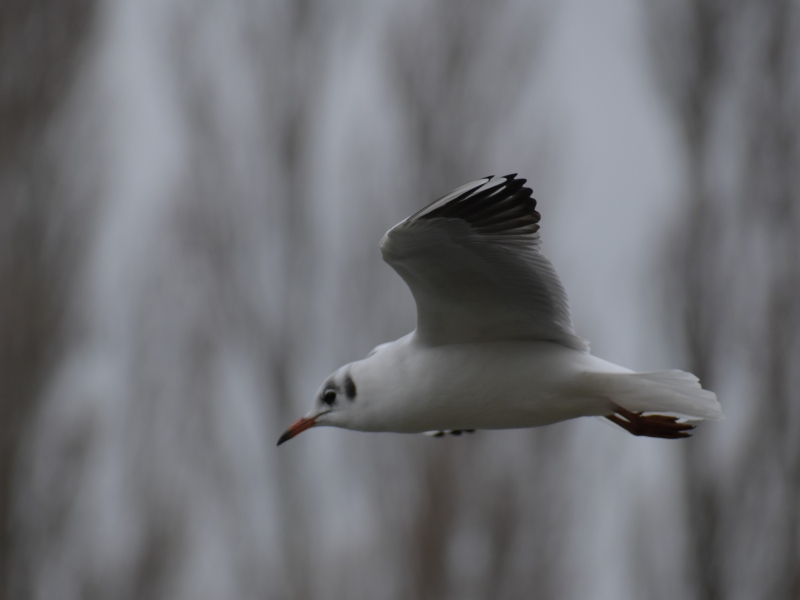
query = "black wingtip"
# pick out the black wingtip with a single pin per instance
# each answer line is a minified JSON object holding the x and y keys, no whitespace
{"x":514,"y":177}
{"x":500,"y":208}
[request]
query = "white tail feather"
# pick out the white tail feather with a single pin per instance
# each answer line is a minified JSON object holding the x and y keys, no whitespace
{"x":671,"y":391}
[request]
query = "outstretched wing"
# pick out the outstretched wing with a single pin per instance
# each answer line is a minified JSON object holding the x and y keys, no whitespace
{"x":473,"y":264}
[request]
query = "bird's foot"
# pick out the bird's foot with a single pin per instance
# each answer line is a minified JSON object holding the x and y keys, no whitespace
{"x":448,"y":432}
{"x":651,"y":425}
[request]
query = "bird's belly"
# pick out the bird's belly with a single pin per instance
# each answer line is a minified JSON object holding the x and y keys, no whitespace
{"x":491,"y":386}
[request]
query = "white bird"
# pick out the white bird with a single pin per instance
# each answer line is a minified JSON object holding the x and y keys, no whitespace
{"x":494,"y":346}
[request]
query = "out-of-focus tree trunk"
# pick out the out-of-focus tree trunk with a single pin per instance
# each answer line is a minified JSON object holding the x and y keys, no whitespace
{"x":307,"y":33}
{"x":731,"y":71}
{"x":39,"y":56}
{"x":198,"y":331}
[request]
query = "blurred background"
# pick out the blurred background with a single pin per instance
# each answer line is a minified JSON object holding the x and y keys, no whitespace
{"x":191,"y":199}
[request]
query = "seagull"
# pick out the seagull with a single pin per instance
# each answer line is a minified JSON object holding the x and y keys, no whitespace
{"x":494,"y":346}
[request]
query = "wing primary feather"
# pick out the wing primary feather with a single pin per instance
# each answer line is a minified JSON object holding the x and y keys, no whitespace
{"x":460,"y":206}
{"x":505,"y":206}
{"x":499,"y":198}
{"x":455,"y":195}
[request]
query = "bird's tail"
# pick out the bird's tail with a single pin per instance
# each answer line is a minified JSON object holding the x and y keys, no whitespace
{"x":673,"y":391}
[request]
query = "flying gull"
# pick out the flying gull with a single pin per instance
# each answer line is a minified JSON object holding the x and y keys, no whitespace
{"x":494,"y":346}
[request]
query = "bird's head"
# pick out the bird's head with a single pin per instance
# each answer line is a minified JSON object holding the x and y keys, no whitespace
{"x":335,"y":402}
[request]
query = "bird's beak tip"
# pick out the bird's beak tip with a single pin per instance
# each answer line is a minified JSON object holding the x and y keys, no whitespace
{"x":299,"y":427}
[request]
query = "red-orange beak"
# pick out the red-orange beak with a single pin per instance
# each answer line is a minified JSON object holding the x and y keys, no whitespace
{"x":299,"y":427}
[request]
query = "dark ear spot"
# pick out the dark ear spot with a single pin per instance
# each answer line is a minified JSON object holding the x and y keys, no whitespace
{"x":349,"y":387}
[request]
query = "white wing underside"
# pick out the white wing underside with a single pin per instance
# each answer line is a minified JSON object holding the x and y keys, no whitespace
{"x":472,"y":262}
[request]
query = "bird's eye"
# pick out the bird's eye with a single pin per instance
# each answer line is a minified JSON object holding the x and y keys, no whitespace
{"x":329,"y":397}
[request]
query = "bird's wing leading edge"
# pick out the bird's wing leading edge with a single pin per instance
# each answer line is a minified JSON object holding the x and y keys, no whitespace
{"x":472,"y":261}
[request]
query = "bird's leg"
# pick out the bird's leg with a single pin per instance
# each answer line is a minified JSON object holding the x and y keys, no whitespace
{"x":445,"y":432}
{"x":658,"y":426}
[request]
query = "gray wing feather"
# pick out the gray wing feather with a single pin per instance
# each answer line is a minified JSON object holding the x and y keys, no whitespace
{"x":472,"y":262}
